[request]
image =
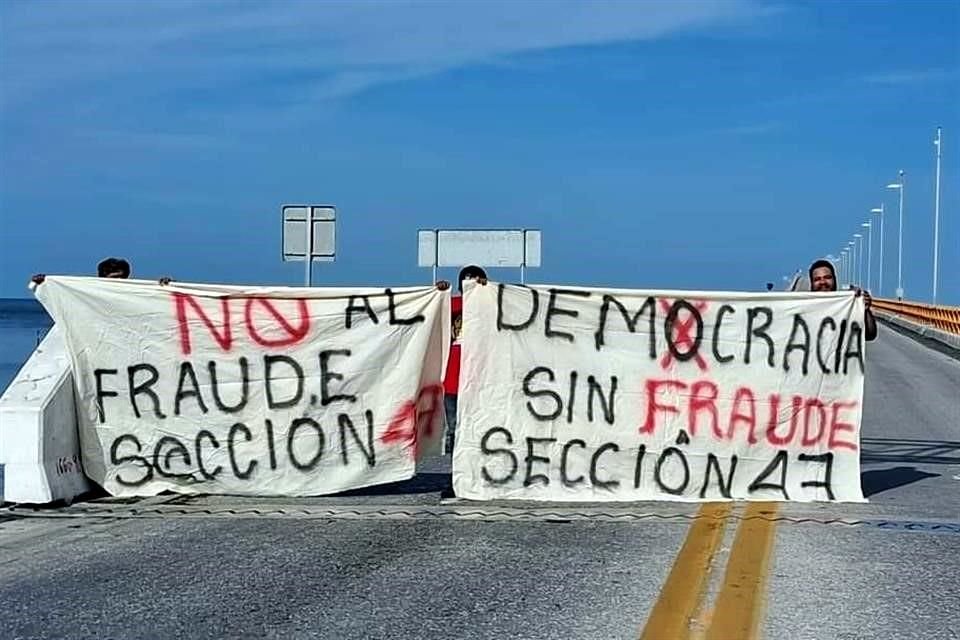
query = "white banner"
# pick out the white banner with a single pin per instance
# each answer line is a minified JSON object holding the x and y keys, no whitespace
{"x":257,"y":391}
{"x":598,"y":395}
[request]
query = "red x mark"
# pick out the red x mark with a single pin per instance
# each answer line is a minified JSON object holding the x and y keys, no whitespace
{"x":411,"y":421}
{"x":682,"y":333}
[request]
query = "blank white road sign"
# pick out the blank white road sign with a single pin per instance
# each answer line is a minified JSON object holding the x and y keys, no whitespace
{"x":483,"y":247}
{"x":323,"y":221}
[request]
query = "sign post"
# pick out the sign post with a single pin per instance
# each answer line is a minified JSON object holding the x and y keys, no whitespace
{"x":482,"y":247}
{"x":309,"y":234}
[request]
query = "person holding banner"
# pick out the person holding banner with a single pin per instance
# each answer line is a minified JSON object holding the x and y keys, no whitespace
{"x":113,"y":268}
{"x":824,"y":278}
{"x":108,"y":268}
{"x":117,"y":268}
{"x":451,"y":381}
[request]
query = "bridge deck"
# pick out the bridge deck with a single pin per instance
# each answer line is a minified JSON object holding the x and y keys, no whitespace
{"x":411,"y":564}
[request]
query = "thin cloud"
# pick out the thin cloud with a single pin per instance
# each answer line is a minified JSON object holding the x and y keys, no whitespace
{"x":165,"y":140}
{"x":756,"y":129}
{"x":839,"y":89}
{"x":899,"y":78}
{"x":327,"y":49}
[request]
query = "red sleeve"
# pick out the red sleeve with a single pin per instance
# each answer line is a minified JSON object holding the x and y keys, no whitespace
{"x":451,"y":381}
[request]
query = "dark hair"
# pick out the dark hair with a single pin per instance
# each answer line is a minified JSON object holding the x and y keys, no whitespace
{"x":471,"y":271}
{"x":823,"y":263}
{"x":112,"y":265}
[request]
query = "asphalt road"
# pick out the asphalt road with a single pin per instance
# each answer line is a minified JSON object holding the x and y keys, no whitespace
{"x":408,"y":564}
{"x":885,"y":580}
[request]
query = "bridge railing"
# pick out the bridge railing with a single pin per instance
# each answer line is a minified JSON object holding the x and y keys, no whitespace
{"x":940,"y":317}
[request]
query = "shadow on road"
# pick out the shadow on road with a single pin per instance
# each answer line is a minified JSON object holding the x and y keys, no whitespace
{"x":880,"y":480}
{"x":420,"y":483}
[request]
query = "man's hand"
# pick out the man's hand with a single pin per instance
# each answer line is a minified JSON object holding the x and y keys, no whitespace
{"x":38,"y":278}
{"x":869,"y":322}
{"x":442,"y":285}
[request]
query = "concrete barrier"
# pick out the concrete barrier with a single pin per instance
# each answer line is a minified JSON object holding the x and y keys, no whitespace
{"x":949,"y":340}
{"x":39,"y":445}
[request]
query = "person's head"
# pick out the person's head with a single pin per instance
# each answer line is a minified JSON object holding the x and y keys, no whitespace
{"x":471,"y":272}
{"x":822,"y":276}
{"x":113,"y":268}
{"x":769,"y":286}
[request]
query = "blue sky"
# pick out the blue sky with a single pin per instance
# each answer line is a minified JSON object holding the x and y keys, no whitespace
{"x":687,"y":144}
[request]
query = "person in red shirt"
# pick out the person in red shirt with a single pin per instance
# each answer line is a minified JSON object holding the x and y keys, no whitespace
{"x":451,"y":381}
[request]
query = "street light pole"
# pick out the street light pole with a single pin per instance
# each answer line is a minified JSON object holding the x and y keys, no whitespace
{"x":850,"y":255}
{"x":858,"y":238}
{"x":899,"y":186}
{"x":861,"y":258}
{"x":936,"y":222}
{"x":851,"y":262}
{"x":880,"y":280}
{"x":869,"y":229}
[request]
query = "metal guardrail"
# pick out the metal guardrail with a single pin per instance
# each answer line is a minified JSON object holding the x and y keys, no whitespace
{"x":941,"y":317}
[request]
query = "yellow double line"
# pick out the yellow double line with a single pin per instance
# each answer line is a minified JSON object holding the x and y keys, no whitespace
{"x":680,"y":613}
